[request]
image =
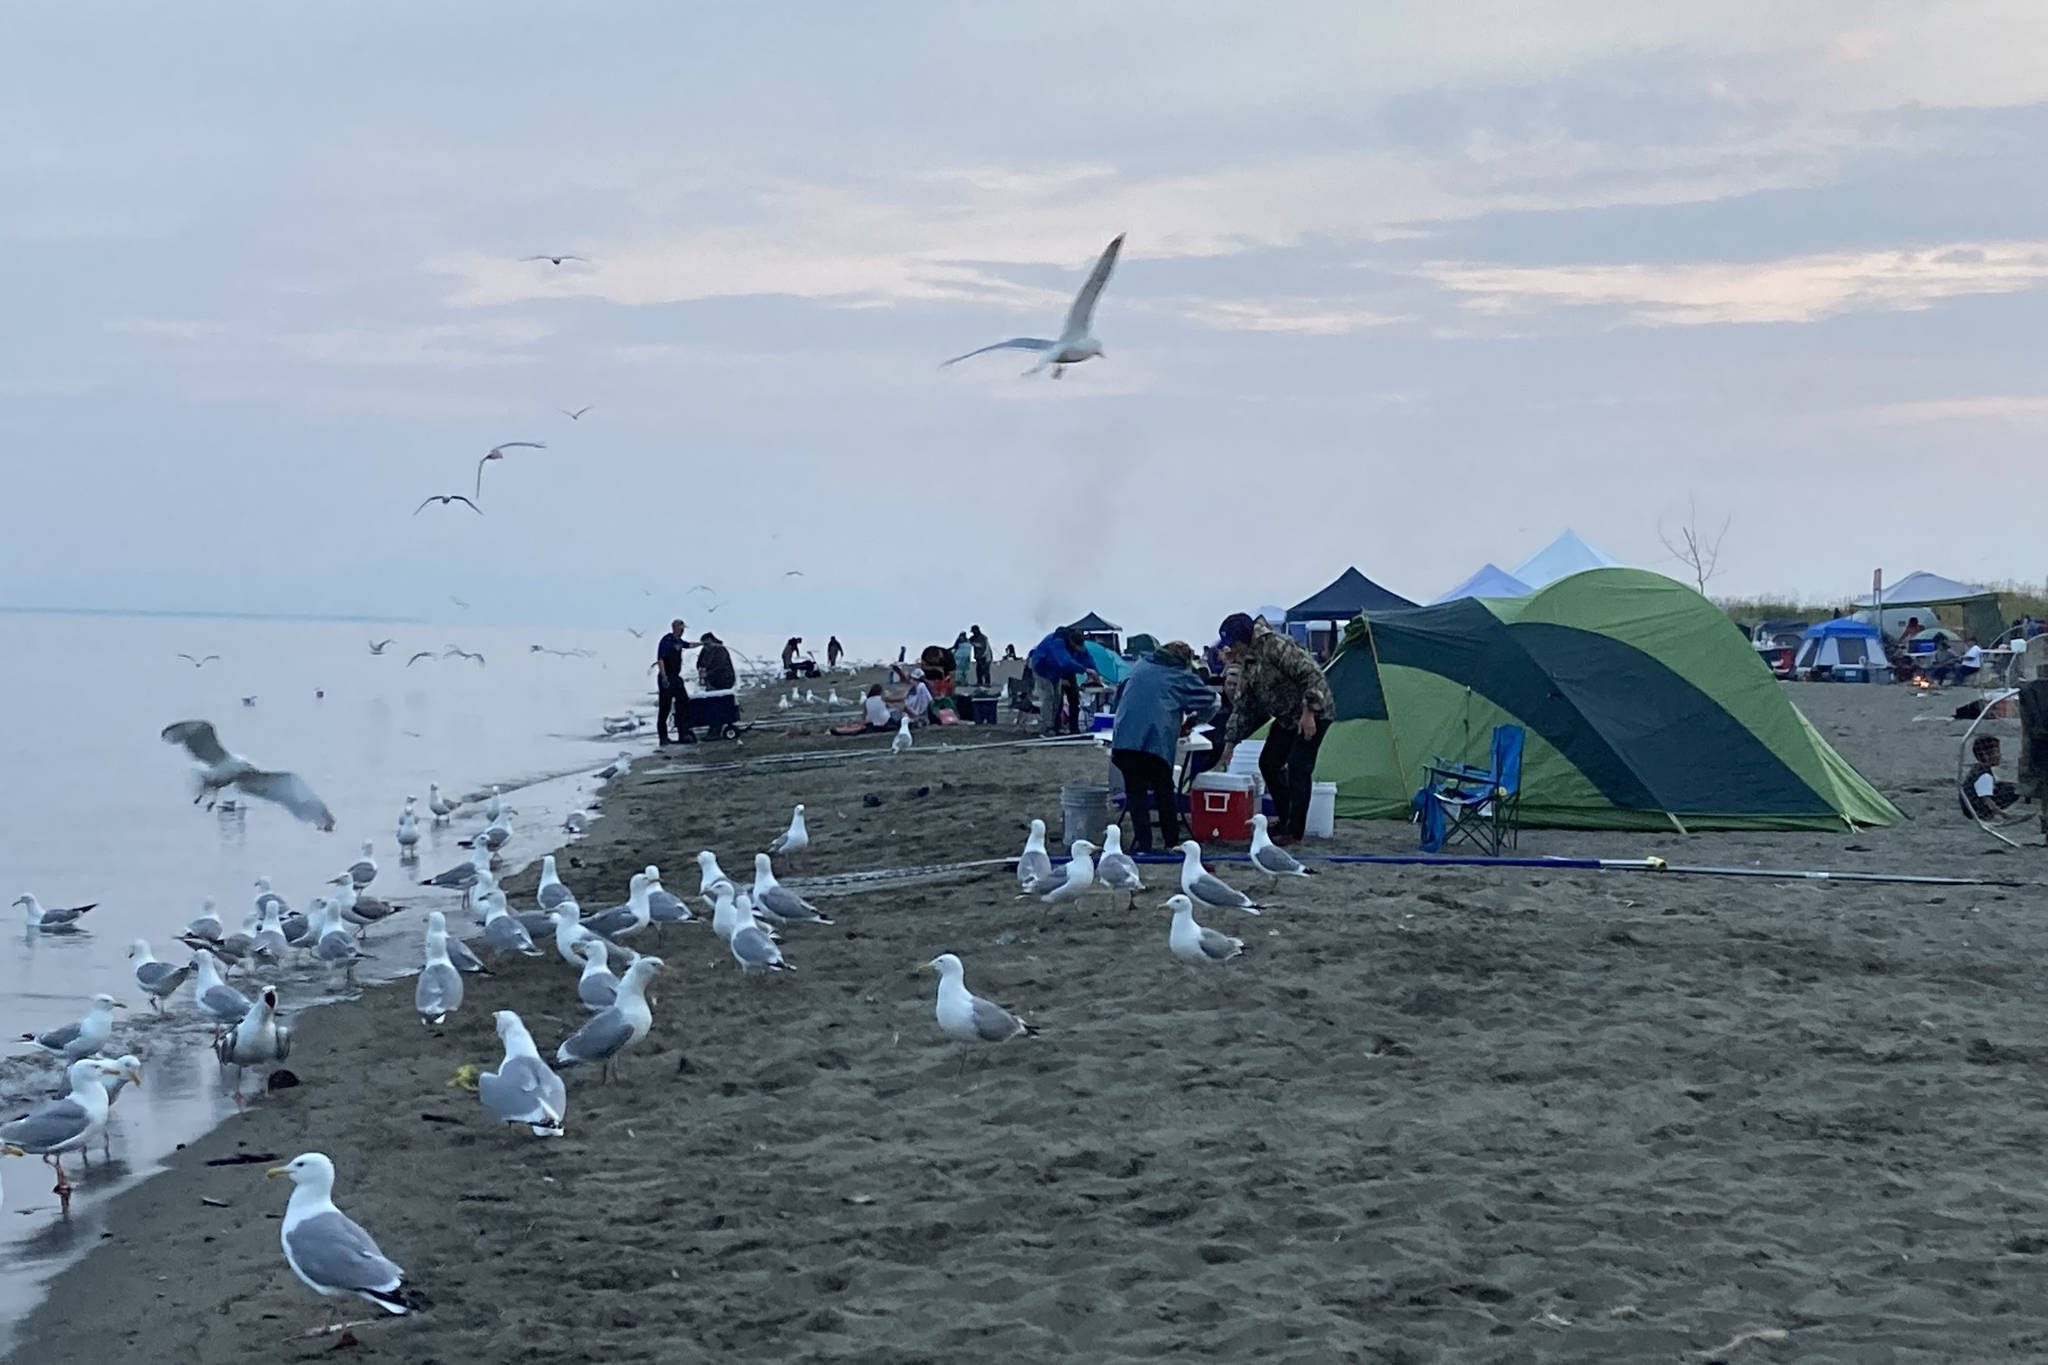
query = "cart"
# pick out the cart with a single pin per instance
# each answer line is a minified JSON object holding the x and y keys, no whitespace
{"x":717,"y":714}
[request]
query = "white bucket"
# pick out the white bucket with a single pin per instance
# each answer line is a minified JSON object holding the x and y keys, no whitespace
{"x":1244,"y":759}
{"x":1084,"y":811}
{"x":1322,"y":810}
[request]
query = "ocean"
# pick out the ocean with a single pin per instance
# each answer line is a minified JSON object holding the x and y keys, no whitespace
{"x":97,"y":808}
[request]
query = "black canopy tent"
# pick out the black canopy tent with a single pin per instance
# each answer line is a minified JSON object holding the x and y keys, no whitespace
{"x":1108,"y":634}
{"x":1325,"y":614}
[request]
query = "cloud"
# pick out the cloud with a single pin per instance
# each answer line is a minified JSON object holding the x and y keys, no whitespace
{"x":453,"y":346}
{"x":1795,"y":289}
{"x":1306,"y":317}
{"x":2005,"y":408}
{"x":168,"y":329}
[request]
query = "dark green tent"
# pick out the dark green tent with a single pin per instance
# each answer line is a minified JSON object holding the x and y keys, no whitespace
{"x":1642,"y":710}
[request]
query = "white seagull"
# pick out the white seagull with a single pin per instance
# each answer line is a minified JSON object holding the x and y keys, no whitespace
{"x":524,"y":1089}
{"x":1115,"y":869}
{"x":1075,"y":343}
{"x":965,"y":1015}
{"x":328,"y":1250}
{"x":1271,"y":859}
{"x":1201,"y":888}
{"x":795,"y":839}
{"x":1080,"y":876}
{"x":1034,"y":863}
{"x":216,"y":768}
{"x":902,"y":740}
{"x":1192,"y":942}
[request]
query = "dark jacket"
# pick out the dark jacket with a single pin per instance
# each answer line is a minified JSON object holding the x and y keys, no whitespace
{"x":1050,"y":658}
{"x":714,"y":668}
{"x":1276,"y":679}
{"x":1160,"y":691}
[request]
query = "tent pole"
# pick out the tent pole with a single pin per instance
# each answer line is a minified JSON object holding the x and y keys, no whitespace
{"x":1599,"y":865}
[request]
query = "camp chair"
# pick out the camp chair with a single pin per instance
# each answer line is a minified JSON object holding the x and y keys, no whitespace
{"x":1481,"y":805}
{"x":1021,"y":704}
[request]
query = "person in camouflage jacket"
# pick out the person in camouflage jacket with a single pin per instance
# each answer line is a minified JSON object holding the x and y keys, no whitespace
{"x":1279,"y":681}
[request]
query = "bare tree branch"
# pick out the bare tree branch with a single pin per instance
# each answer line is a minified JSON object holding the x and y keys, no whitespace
{"x":1697,"y":550}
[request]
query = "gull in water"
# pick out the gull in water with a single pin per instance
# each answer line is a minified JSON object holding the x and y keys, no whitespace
{"x":626,"y":1022}
{"x":1192,"y":942}
{"x":464,"y":875}
{"x":966,"y":1016}
{"x":157,"y":979}
{"x":267,"y":938}
{"x":217,"y":1000}
{"x":494,"y":805}
{"x":1271,"y":859}
{"x":597,"y":988}
{"x":575,"y":822}
{"x":328,"y":1250}
{"x":357,"y":908}
{"x":258,"y":1040}
{"x":571,"y":932}
{"x":902,"y":741}
{"x":438,"y":991}
{"x":795,"y":839}
{"x":408,"y":835}
{"x":621,"y":920}
{"x":74,"y":1041}
{"x":267,"y":899}
{"x":503,"y":932}
{"x":1075,"y":342}
{"x":204,"y":925}
{"x":67,"y":1125}
{"x":1201,"y":888}
{"x":663,"y":905}
{"x":1034,"y":864}
{"x":551,"y":892}
{"x":524,"y":1089}
{"x":778,"y":902}
{"x":1115,"y":869}
{"x":50,"y":921}
{"x":130,"y":1071}
{"x":438,"y":805}
{"x":496,"y":833}
{"x":497,"y":452}
{"x":333,"y":946}
{"x":1079,"y":877}
{"x":363,"y":870}
{"x":217,"y":768}
{"x":618,"y":767}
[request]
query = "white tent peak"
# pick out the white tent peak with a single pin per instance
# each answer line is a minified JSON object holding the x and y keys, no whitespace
{"x":1922,"y":588}
{"x":1562,"y":558}
{"x":1490,"y":581}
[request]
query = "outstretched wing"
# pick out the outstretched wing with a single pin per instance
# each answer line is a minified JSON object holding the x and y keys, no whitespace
{"x":290,"y":791}
{"x":1082,"y":314}
{"x":423,"y":654}
{"x":199,"y":740}
{"x":1013,"y":344}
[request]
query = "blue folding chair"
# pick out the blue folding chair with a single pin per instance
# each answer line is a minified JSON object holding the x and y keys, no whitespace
{"x":1480,"y":805}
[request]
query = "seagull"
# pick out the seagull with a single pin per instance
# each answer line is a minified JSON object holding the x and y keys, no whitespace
{"x":504,"y":932}
{"x":753,"y":948}
{"x":1034,"y":864}
{"x":1074,"y":343}
{"x":1079,"y":877}
{"x":597,"y":988}
{"x":497,"y":452}
{"x":662,"y":904}
{"x":795,"y":839}
{"x":556,"y":260}
{"x":217,"y":768}
{"x":618,"y":767}
{"x":524,"y":1089}
{"x":408,"y":834}
{"x":777,"y":901}
{"x":551,"y":892}
{"x":355,"y":907}
{"x":379,"y":646}
{"x":494,"y":806}
{"x":423,"y":654}
{"x":199,"y":663}
{"x":622,"y":920}
{"x":454,"y":653}
{"x":67,"y":1125}
{"x":328,"y":1250}
{"x":902,"y":741}
{"x":965,"y":1015}
{"x":1116,"y":871}
{"x":577,"y":415}
{"x":82,"y":1039}
{"x":217,"y":1000}
{"x":1201,"y":888}
{"x":204,"y":925}
{"x":1192,"y":942}
{"x":729,"y":914}
{"x":570,"y":935}
{"x":709,"y":872}
{"x":157,"y":979}
{"x":1271,"y":859}
{"x":575,"y":822}
{"x":444,"y":499}
{"x":626,"y":1022}
{"x":258,"y":1039}
{"x":437,"y":993}
{"x":332,"y":944}
{"x":363,"y":870}
{"x":495,"y":834}
{"x":440,"y":805}
{"x":51,"y":921}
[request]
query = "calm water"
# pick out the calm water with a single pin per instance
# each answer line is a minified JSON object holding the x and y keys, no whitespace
{"x":96,"y":808}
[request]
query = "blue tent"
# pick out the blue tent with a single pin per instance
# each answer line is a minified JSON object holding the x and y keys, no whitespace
{"x":1843,"y":644}
{"x":1839,"y":628}
{"x":1490,"y":581}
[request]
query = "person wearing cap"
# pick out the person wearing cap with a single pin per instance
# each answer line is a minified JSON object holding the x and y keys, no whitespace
{"x":1058,"y":662}
{"x":1279,"y":681}
{"x":917,"y":703}
{"x":983,"y":655}
{"x":668,"y":665}
{"x":714,"y":664}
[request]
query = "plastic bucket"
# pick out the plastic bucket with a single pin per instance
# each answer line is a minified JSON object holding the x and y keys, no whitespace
{"x":1084,"y":811}
{"x":1322,"y":810}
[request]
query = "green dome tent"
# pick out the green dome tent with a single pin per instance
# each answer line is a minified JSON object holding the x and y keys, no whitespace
{"x":1642,"y":710}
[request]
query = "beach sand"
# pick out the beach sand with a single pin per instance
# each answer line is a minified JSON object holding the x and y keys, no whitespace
{"x":1433,"y":1114}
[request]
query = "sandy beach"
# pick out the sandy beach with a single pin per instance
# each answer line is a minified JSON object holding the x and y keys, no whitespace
{"x":1433,"y":1114}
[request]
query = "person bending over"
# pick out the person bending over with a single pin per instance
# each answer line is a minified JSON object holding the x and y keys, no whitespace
{"x":1277,"y":681}
{"x":1058,"y":662}
{"x":714,"y":664}
{"x":1161,"y":697}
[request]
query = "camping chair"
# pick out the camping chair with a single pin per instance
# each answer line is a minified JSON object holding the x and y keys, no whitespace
{"x":1481,"y":805}
{"x":1021,"y":704}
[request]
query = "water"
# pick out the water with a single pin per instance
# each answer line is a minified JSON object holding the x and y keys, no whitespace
{"x":97,"y":808}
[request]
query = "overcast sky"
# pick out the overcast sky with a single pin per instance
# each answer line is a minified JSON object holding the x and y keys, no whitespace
{"x":1407,"y":285}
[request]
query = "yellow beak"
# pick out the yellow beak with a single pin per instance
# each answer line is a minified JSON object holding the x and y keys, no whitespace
{"x":923,"y":967}
{"x":1164,"y":905}
{"x":275,"y":1171}
{"x":120,"y":1004}
{"x":11,"y":1150}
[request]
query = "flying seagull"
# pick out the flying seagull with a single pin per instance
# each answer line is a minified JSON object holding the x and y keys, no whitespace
{"x":379,"y":646}
{"x":556,"y":260}
{"x":497,"y":452}
{"x":199,"y":663}
{"x":217,"y":768}
{"x":444,"y":499}
{"x":1074,"y":344}
{"x":577,"y":415}
{"x":454,"y":653}
{"x":423,"y":654}
{"x":636,"y":634}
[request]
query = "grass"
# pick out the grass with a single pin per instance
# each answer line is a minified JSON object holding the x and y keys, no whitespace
{"x":2014,"y":599}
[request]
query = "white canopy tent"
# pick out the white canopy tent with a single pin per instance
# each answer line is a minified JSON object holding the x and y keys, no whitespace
{"x":1561,"y":558}
{"x":1490,"y":581}
{"x":1924,"y":589}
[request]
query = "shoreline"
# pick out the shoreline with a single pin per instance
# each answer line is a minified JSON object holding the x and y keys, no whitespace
{"x":1443,"y":1111}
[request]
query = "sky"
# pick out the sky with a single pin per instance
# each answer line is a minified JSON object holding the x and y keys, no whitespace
{"x":1409,"y":286}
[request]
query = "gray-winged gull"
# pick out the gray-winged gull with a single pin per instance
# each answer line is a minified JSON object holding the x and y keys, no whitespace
{"x":776,"y":901}
{"x":709,"y":872}
{"x":438,"y":805}
{"x":1080,"y":875}
{"x":363,"y":870}
{"x":59,"y":1126}
{"x":407,"y":836}
{"x":1076,"y":342}
{"x":437,"y":992}
{"x":157,"y":979}
{"x":1271,"y":859}
{"x":204,"y":925}
{"x":217,"y":1000}
{"x":569,"y":932}
{"x":82,"y":1039}
{"x":216,"y":768}
{"x":965,"y":1015}
{"x":266,"y":899}
{"x":50,"y":921}
{"x":1114,"y":869}
{"x":1192,"y":941}
{"x":1034,"y":864}
{"x":495,"y":835}
{"x":662,"y":904}
{"x":755,"y":951}
{"x":551,"y":892}
{"x":326,"y":1248}
{"x":1201,"y":888}
{"x":503,"y":931}
{"x":795,"y":839}
{"x":617,"y":1028}
{"x":621,"y":920}
{"x":597,"y":988}
{"x":259,"y":1039}
{"x":524,"y":1089}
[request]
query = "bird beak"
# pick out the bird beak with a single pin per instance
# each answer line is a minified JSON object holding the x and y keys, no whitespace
{"x":1165,"y":905}
{"x":924,"y":966}
{"x":120,"y":1004}
{"x":11,"y":1150}
{"x":134,"y":1075}
{"x":274,"y":1172}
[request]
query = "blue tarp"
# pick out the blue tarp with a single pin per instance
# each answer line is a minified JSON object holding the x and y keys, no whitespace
{"x":1844,"y":627}
{"x":1107,"y":664}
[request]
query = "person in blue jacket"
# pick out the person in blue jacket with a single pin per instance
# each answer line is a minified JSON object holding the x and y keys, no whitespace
{"x":1058,"y":662}
{"x":1162,"y":694}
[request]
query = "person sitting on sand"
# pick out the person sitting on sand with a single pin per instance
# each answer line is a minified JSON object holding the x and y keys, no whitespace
{"x":917,"y":703}
{"x":1982,"y":794}
{"x":875,"y":715}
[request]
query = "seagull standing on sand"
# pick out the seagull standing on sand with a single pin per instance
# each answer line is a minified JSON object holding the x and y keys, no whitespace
{"x":157,"y":979}
{"x":524,"y":1089}
{"x":1080,"y":876}
{"x":597,"y":988}
{"x":1271,"y":859}
{"x":551,"y":892}
{"x":50,"y":921}
{"x":902,"y":742}
{"x":1034,"y":864}
{"x":964,"y":1015}
{"x":795,"y":839}
{"x":438,"y":991}
{"x":663,"y":905}
{"x":71,"y":1042}
{"x":216,"y":768}
{"x":1075,"y":342}
{"x":328,"y":1250}
{"x":1201,"y":888}
{"x":778,"y":902}
{"x":729,"y":915}
{"x":626,"y":1022}
{"x":570,"y":933}
{"x":1192,"y":942}
{"x":503,"y":932}
{"x":754,"y":949}
{"x":66,"y":1125}
{"x":709,"y":873}
{"x":1115,"y":869}
{"x":622,"y":920}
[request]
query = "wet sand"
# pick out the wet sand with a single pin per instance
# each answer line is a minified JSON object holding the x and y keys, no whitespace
{"x":1434,"y":1114}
